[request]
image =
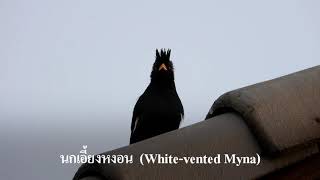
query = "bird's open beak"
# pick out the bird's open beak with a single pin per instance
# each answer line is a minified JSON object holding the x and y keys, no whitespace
{"x":163,"y":66}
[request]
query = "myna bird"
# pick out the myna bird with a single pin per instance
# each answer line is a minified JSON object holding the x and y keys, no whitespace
{"x":159,"y":108}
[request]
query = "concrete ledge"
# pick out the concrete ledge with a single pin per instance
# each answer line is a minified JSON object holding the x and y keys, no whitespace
{"x":282,"y":113}
{"x":226,"y":133}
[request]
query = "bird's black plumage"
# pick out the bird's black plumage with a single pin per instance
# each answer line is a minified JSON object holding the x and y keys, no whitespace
{"x":158,"y":109}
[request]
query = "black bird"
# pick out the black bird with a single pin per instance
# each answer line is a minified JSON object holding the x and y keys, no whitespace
{"x":159,"y":108}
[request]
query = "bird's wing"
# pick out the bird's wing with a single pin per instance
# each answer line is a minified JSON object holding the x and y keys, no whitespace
{"x":181,"y":110}
{"x":135,"y":124}
{"x":179,"y":103}
{"x":136,"y":113}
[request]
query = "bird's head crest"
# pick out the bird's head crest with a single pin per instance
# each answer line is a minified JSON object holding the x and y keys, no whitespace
{"x":163,"y":67}
{"x":163,"y":55}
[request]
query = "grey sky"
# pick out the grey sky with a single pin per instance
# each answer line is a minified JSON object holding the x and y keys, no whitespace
{"x":71,"y":71}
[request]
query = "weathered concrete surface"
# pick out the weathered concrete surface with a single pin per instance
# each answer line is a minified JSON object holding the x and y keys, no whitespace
{"x":226,"y":133}
{"x":282,"y":113}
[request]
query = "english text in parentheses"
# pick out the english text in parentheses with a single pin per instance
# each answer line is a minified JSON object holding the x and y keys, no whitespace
{"x":141,"y":159}
{"x":258,"y":157}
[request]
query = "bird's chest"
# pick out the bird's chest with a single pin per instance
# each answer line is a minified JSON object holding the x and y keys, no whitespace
{"x":161,"y":104}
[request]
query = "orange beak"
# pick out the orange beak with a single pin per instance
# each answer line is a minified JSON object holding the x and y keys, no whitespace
{"x":163,"y":66}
